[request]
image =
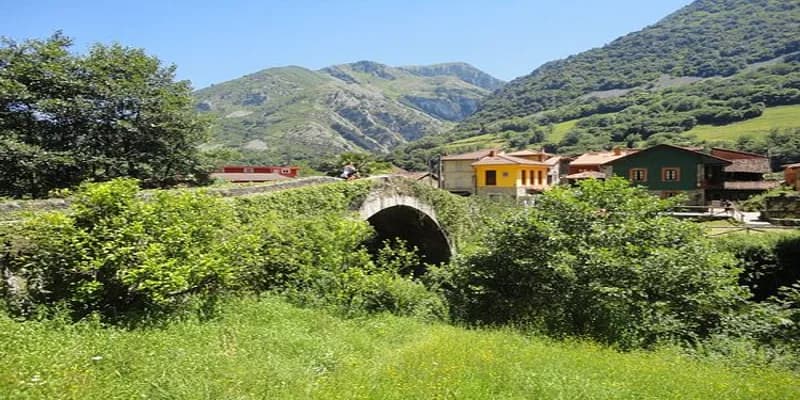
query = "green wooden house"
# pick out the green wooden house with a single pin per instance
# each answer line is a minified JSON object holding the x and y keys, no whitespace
{"x":668,"y":170}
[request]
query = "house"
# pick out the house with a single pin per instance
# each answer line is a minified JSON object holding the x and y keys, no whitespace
{"x":744,"y":177}
{"x":791,"y":174}
{"x":532,"y":155}
{"x":457,"y":174}
{"x":588,"y":165}
{"x":499,"y":173}
{"x":555,"y":163}
{"x":558,"y":169}
{"x":593,"y":160}
{"x":667,"y":170}
{"x":241,"y":174}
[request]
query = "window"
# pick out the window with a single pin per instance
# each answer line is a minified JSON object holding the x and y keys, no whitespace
{"x":491,"y":178}
{"x":638,"y":174}
{"x":524,"y":177}
{"x":540,"y":179}
{"x":670,"y":174}
{"x":285,"y":171}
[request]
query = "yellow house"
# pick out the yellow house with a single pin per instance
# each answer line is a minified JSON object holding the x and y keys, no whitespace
{"x":457,"y":174}
{"x":514,"y":176}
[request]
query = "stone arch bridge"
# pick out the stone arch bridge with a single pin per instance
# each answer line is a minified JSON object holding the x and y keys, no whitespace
{"x":395,"y":206}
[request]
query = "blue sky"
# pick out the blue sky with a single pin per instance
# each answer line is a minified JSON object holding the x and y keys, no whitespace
{"x":216,"y":41}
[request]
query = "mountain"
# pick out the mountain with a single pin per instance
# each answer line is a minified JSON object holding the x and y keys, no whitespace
{"x":294,"y":114}
{"x":705,"y":67}
{"x":707,"y":38}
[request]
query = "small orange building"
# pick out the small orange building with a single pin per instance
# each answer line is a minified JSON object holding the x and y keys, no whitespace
{"x":239,"y":174}
{"x":791,"y":174}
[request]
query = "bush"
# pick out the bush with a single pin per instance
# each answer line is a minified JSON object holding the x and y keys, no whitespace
{"x":321,"y":261}
{"x":765,"y":333}
{"x":121,"y":254}
{"x":117,"y":254}
{"x":769,"y":261}
{"x":758,"y":202}
{"x":599,"y":261}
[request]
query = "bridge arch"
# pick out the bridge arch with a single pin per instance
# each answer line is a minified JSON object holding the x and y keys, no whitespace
{"x":411,"y":219}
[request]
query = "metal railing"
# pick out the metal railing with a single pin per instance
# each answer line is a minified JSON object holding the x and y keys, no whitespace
{"x":728,"y":230}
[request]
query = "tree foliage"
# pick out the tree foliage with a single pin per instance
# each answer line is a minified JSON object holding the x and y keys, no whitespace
{"x":120,"y":253}
{"x":117,"y":254}
{"x":366,"y":164}
{"x":599,"y":261}
{"x":114,"y":112}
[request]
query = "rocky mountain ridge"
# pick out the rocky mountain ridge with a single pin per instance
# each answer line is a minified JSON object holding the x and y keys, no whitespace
{"x":293,"y":113}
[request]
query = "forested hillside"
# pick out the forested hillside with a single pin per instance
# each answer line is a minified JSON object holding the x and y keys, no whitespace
{"x":710,"y":64}
{"x":292,"y":114}
{"x":705,"y":39}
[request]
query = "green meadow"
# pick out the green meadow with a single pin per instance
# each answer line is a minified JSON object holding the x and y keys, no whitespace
{"x":268,"y":349}
{"x":773,"y":118}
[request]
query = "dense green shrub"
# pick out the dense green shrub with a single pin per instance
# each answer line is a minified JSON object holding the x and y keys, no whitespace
{"x":117,"y":254}
{"x":765,"y":333}
{"x":319,"y":259}
{"x":769,"y":261}
{"x":758,"y":202}
{"x":121,"y":253}
{"x":599,"y":261}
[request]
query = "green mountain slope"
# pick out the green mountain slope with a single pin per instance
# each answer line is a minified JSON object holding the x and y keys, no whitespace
{"x":784,"y":117}
{"x":705,"y":39}
{"x":294,"y":114}
{"x":715,"y":64}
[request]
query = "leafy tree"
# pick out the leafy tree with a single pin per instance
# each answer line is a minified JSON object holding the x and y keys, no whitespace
{"x":600,"y":261}
{"x":113,"y":112}
{"x":118,"y":254}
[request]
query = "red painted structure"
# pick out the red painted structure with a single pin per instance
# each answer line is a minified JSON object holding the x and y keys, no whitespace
{"x":242,"y":174}
{"x":792,"y":175}
{"x":289,"y":172}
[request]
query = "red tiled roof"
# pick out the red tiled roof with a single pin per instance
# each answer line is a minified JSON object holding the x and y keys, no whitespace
{"x":505,"y":159}
{"x":721,"y":153}
{"x":706,"y":157}
{"x":522,"y":153}
{"x":599,"y":157}
{"x":248,"y":177}
{"x":475,"y":155}
{"x":753,"y":165}
{"x":587,"y":175}
{"x":553,"y":160}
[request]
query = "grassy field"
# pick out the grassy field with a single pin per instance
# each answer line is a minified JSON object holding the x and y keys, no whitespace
{"x":490,"y":140}
{"x":265,"y":349}
{"x":485,"y":141}
{"x":560,"y":130}
{"x":773,"y":118}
